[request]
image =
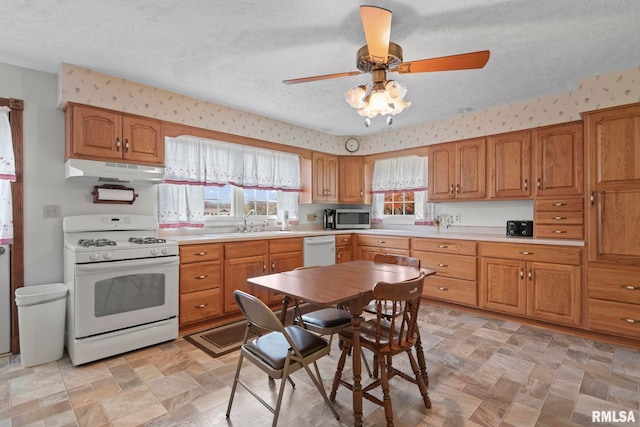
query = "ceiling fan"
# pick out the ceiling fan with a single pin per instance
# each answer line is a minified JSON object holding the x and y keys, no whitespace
{"x":380,"y":56}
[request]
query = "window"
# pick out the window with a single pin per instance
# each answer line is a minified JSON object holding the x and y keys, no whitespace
{"x":230,"y":201}
{"x":399,"y":203}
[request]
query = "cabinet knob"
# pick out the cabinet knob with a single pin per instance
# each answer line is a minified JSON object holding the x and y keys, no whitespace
{"x":200,"y":253}
{"x":264,"y":267}
{"x":442,"y":246}
{"x":526,"y":253}
{"x":382,"y":241}
{"x":443,"y":265}
{"x":451,"y":189}
{"x":521,"y":273}
{"x":559,"y":231}
{"x":630,"y":287}
{"x":559,"y":204}
{"x":628,"y":320}
{"x":204,"y":276}
{"x":273,"y":266}
{"x":201,"y":306}
{"x":441,"y":288}
{"x":538,"y":183}
{"x":117,"y":144}
{"x":559,"y":218}
{"x":458,"y":188}
{"x":126,"y":145}
{"x":530,"y":275}
{"x":526,"y":184}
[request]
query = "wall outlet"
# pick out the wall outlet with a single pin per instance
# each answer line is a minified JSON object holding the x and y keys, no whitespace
{"x":311,"y":217}
{"x":51,"y":211}
{"x":457,"y":218}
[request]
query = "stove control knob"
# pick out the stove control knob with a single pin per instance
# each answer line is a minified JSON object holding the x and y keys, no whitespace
{"x":154,"y":251}
{"x":165,"y":251}
{"x":107,"y":255}
{"x":95,"y":256}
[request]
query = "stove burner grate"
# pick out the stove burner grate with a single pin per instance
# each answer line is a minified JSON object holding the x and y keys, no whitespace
{"x":85,"y":243}
{"x":146,"y":240}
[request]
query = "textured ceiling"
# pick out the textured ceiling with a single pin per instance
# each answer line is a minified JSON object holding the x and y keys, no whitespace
{"x":237,"y":53}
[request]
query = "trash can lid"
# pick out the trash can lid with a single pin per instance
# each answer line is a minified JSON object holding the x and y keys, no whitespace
{"x":37,"y":294}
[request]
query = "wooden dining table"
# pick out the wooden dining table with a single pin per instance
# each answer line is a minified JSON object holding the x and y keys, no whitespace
{"x":350,"y":284}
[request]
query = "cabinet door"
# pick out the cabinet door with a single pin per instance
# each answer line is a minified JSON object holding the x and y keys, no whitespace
{"x":142,"y":140}
{"x":614,"y":234}
{"x":510,"y":165}
{"x":343,"y":254}
{"x":559,"y":154}
{"x":442,"y":171}
{"x":325,"y":177}
{"x":470,"y":169}
{"x":553,"y":292}
{"x":236,"y":273}
{"x":351,"y":179}
{"x":503,"y":285}
{"x":94,"y":133}
{"x":280,"y":262}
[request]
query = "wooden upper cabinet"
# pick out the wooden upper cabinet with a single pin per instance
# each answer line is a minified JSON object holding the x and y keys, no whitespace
{"x":510,"y":165}
{"x":457,"y":170}
{"x":351,"y":179}
{"x":613,"y":159}
{"x":99,"y":134}
{"x":559,"y":155}
{"x":325,"y":177}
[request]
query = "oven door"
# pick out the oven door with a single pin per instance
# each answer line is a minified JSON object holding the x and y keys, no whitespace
{"x":115,"y":295}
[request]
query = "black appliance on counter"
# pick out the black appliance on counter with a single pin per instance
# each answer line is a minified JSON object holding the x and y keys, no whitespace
{"x":520,"y":228}
{"x":329,"y":219}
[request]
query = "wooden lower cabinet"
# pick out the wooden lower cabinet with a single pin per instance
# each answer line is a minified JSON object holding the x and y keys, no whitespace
{"x":455,"y":263}
{"x":613,"y":303}
{"x":284,"y":255}
{"x":344,"y":248}
{"x":243,"y":260}
{"x":532,"y":282}
{"x":200,"y":283}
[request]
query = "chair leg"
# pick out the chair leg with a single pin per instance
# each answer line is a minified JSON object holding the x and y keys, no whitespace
{"x":366,"y":364}
{"x":419,"y":380}
{"x":235,"y":385}
{"x":338,"y":375}
{"x":318,"y":383}
{"x":421,"y":360}
{"x":383,"y":363}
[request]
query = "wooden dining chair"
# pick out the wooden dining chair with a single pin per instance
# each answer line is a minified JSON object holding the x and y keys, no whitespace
{"x":324,"y":321}
{"x":388,"y":336}
{"x":279,"y":352}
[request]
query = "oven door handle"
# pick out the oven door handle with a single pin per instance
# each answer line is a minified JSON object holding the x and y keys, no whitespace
{"x":119,"y":265}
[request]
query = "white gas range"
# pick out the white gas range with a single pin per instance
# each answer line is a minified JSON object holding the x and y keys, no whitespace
{"x":123,"y":285}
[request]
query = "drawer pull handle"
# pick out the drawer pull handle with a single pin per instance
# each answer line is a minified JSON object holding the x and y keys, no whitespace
{"x":443,"y":246}
{"x":559,"y":204}
{"x":630,"y":287}
{"x":526,"y":253}
{"x":201,"y":306}
{"x":204,"y":276}
{"x":559,"y":218}
{"x":200,"y":253}
{"x":626,"y":319}
{"x":345,"y":240}
{"x":382,"y":241}
{"x":522,"y":274}
{"x":442,"y":288}
{"x":443,"y":265}
{"x":559,"y":231}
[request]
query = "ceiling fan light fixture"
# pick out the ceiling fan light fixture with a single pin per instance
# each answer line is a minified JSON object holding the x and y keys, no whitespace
{"x":381,"y":98}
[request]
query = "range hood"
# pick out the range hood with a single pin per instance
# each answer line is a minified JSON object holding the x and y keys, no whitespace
{"x":112,"y":171}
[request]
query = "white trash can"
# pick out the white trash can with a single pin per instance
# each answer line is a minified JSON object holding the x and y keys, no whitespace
{"x":41,"y":315}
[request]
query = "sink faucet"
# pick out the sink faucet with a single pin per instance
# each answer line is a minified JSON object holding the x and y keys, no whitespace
{"x":244,"y":218}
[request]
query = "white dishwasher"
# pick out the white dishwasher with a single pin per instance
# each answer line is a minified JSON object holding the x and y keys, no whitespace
{"x":319,"y":250}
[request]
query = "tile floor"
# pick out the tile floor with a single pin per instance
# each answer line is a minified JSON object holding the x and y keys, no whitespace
{"x":482,"y":372}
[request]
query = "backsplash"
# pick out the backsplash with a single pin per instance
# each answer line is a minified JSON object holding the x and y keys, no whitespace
{"x":77,"y":84}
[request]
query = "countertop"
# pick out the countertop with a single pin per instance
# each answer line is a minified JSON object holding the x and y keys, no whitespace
{"x":188,"y":239}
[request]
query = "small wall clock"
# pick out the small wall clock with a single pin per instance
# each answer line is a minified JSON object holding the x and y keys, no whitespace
{"x":352,"y":145}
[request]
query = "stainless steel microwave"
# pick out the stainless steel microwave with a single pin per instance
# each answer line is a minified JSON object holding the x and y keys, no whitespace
{"x":352,"y":218}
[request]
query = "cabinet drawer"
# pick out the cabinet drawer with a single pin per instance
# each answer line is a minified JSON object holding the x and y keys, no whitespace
{"x":198,"y":253}
{"x":344,"y":239}
{"x":384,"y":241}
{"x":575,"y":232}
{"x":200,"y":276}
{"x":454,"y":290}
{"x":614,"y":317}
{"x":541,"y":253}
{"x":560,"y":204}
{"x":460,"y":247}
{"x":285,"y":245}
{"x":622,"y":286}
{"x":246,"y":249}
{"x":447,"y":265}
{"x":200,"y":305}
{"x":558,"y":217}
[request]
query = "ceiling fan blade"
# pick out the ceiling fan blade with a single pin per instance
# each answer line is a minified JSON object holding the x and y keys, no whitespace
{"x":376,"y":22}
{"x":463,"y":61}
{"x":323,"y":77}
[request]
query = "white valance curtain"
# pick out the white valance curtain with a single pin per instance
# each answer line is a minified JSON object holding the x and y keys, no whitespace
{"x":7,"y":175}
{"x":400,"y":174}
{"x":192,"y":163}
